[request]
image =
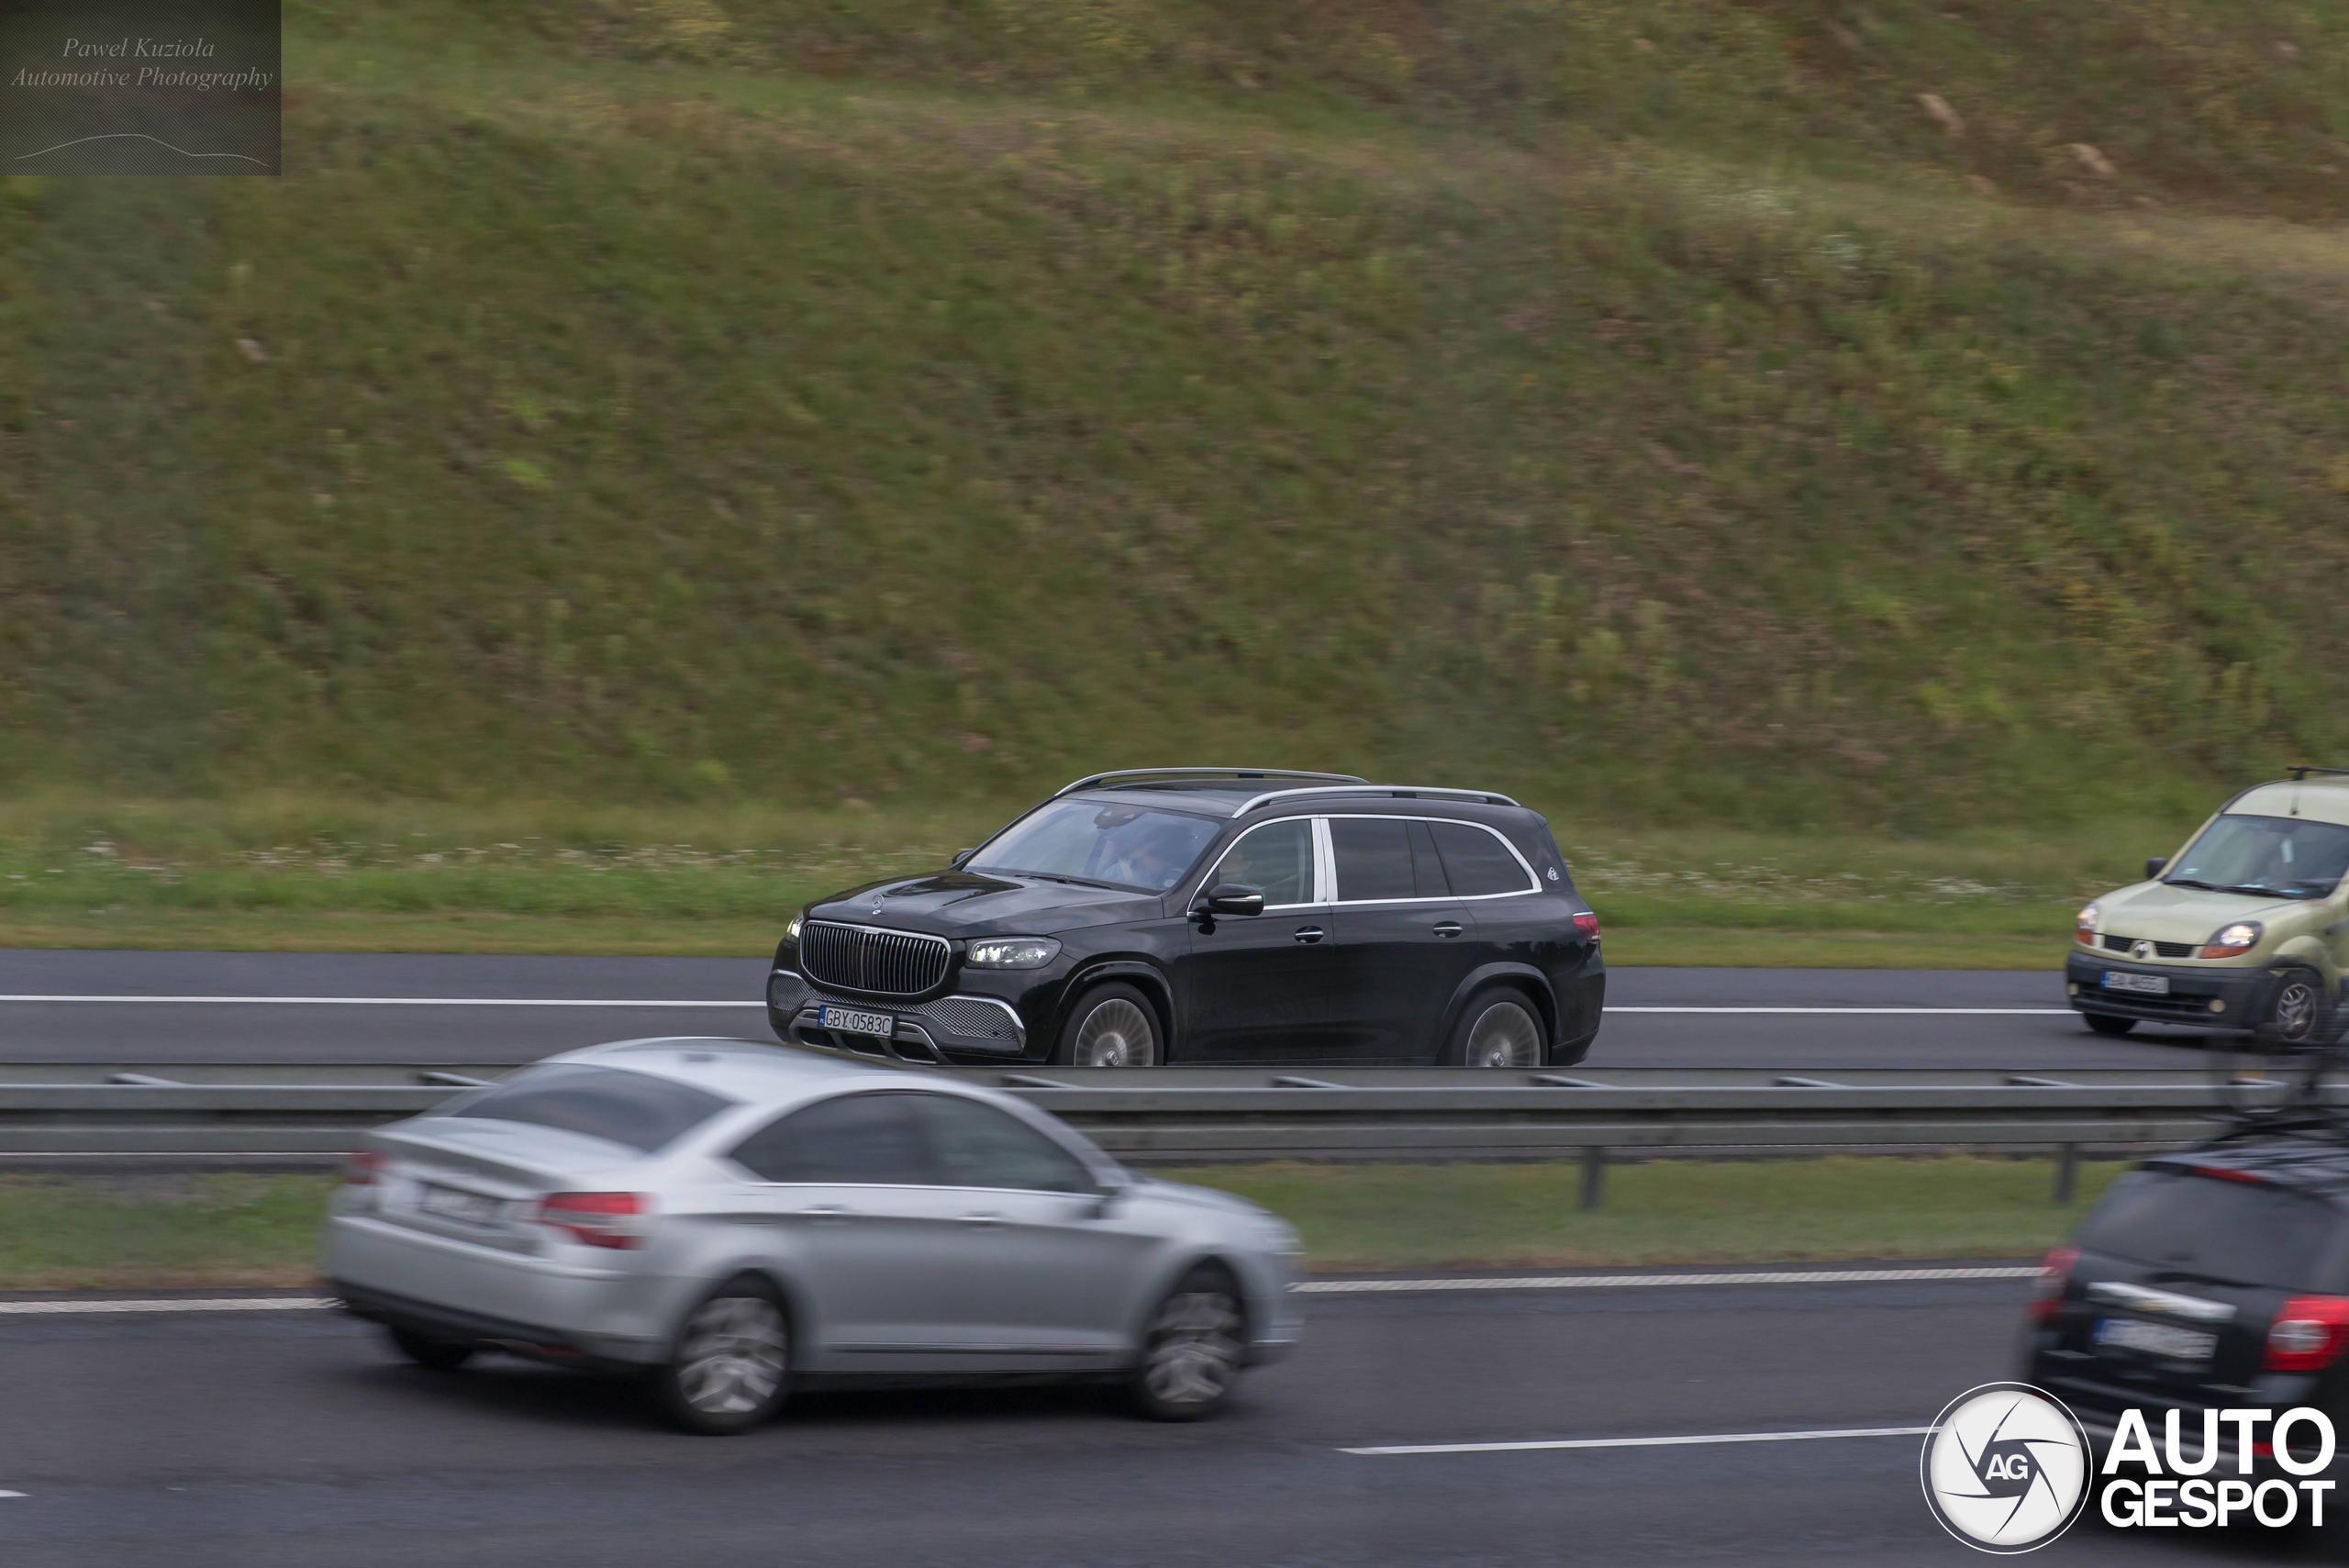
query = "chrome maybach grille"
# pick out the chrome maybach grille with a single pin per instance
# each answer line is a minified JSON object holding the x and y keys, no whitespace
{"x":861,"y":958}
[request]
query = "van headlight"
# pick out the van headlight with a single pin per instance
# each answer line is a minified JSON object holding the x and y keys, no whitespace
{"x":2084,"y":925}
{"x":1013,"y":952}
{"x":2232,"y":941}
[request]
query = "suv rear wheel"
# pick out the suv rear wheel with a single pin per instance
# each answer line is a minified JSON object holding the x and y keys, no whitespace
{"x":1497,"y":1029}
{"x":1111,"y":1026}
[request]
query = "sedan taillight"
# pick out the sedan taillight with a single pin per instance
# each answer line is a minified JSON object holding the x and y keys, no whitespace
{"x":2309,"y":1334}
{"x":2047,"y":1291}
{"x":618,"y":1221}
{"x":364,"y":1168}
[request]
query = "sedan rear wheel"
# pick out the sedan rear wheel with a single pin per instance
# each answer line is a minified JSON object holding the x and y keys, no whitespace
{"x":1192,"y":1356}
{"x":1498,"y":1030}
{"x":440,"y":1355}
{"x":1112,"y":1026}
{"x":732,"y":1363}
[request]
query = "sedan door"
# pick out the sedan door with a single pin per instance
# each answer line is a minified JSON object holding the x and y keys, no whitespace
{"x":1265,"y":987}
{"x":1405,"y":940}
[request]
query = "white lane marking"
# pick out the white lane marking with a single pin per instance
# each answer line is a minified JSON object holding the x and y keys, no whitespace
{"x":1646,"y":1442}
{"x":395,"y":1001}
{"x":1590,"y":1282}
{"x":15,"y":1493}
{"x":1927,"y":1012}
{"x":189,"y":1303}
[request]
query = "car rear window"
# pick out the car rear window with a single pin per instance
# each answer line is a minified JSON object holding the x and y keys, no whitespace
{"x":2240,"y":1232}
{"x":636,"y":1110}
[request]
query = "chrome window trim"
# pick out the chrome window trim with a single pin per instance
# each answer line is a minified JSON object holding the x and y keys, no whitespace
{"x":1447,"y":898}
{"x":1322,"y":882}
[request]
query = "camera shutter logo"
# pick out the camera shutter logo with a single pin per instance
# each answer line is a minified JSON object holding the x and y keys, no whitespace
{"x":2006,"y":1468}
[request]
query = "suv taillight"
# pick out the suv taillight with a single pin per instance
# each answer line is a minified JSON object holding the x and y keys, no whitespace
{"x":2047,"y":1291}
{"x":363,"y":1169}
{"x":618,"y":1221}
{"x":1586,"y":925}
{"x":2309,"y":1334}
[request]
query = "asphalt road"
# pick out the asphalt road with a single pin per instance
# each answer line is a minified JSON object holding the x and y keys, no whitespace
{"x":456,"y":1009}
{"x":294,"y":1440}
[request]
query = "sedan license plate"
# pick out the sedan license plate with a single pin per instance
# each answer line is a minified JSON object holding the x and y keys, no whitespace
{"x":2152,"y":985}
{"x":850,"y":1020}
{"x":450,"y":1203}
{"x":2156,"y":1339}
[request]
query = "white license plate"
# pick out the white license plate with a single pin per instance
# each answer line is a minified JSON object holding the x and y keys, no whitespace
{"x":2156,"y":1339}
{"x":450,"y":1203}
{"x":849,"y":1020}
{"x":2151,"y":984}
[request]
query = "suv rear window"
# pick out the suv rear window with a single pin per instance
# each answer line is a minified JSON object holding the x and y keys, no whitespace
{"x":636,"y":1110}
{"x":2238,"y":1232}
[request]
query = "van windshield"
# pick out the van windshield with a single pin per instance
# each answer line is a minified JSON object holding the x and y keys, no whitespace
{"x":2275,"y":857}
{"x":1084,"y":840}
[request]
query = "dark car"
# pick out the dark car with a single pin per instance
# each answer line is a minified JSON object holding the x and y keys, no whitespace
{"x":2213,"y":1279}
{"x":1215,"y":916}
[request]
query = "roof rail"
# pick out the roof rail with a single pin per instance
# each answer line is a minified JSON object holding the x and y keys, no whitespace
{"x":1358,"y":787}
{"x":1091,"y":780}
{"x":2302,"y":770}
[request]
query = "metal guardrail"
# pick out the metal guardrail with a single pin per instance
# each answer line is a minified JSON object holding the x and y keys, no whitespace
{"x":1191,"y":1115}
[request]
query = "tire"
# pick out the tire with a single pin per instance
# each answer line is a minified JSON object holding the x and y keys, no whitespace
{"x":2104,"y":1023}
{"x":1192,"y":1354}
{"x":1111,"y":1026}
{"x":440,"y":1355}
{"x":1498,"y":1028}
{"x":2298,"y":1014}
{"x":730,"y":1368}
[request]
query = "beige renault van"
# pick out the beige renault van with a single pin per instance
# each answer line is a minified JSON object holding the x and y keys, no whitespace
{"x":2245,"y":930}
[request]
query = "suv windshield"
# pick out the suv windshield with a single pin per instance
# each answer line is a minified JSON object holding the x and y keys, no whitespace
{"x":1125,"y":846}
{"x":2279,"y":857}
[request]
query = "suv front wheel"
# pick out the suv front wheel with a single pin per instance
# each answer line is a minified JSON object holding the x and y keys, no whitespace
{"x":1111,"y":1026}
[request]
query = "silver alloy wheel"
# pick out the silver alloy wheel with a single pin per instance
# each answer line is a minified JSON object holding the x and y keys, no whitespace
{"x":1114,"y":1034}
{"x":733,"y":1355}
{"x":2297,"y":1004}
{"x":1195,"y":1349}
{"x":1505,"y":1035}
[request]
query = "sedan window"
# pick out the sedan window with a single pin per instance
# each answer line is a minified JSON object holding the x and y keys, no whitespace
{"x":1276,"y":857}
{"x":857,"y":1141}
{"x":636,"y":1110}
{"x":979,"y":1146}
{"x":1477,"y":862}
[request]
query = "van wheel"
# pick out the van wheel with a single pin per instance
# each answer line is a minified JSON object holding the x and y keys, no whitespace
{"x":1497,"y":1029}
{"x":2104,"y":1023}
{"x":730,"y":1366}
{"x":1111,"y":1026}
{"x":2298,"y":1014}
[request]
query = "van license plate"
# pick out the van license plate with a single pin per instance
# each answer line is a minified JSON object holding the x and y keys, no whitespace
{"x":2152,"y":985}
{"x":848,"y":1020}
{"x":448,"y":1203}
{"x":2156,"y":1339}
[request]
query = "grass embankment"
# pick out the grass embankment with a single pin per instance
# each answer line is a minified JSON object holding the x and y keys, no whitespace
{"x":223,"y":1230}
{"x":1633,"y":407}
{"x":320,"y":874}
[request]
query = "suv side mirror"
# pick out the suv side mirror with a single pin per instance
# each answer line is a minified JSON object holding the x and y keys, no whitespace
{"x":2153,"y":866}
{"x":1233,"y":899}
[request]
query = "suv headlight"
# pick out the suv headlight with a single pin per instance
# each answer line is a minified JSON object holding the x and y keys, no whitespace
{"x":1013,"y":952}
{"x":791,"y":932}
{"x":2232,"y":941}
{"x":2084,"y":925}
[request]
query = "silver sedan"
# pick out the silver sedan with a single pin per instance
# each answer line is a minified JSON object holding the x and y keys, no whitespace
{"x":728,"y":1219}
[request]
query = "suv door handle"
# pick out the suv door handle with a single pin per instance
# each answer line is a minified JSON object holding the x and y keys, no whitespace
{"x":1309,"y":935}
{"x":1449,"y":929}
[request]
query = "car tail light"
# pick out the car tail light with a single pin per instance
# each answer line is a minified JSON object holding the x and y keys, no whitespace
{"x":2309,"y":1334}
{"x":2047,"y":1291}
{"x":618,"y":1221}
{"x":1586,"y":925}
{"x":2228,"y":1174}
{"x":364,"y":1168}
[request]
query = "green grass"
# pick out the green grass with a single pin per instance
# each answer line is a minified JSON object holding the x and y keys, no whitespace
{"x":222,"y":1230}
{"x":780,"y":403}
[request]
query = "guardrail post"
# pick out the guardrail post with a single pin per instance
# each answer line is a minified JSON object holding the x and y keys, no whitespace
{"x":2067,"y":1171}
{"x":1594,"y":1174}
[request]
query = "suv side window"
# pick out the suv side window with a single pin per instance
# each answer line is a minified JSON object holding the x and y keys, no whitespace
{"x":1276,"y":857}
{"x":1374,"y":856}
{"x":979,"y":1146}
{"x":854,"y":1141}
{"x":1479,"y":863}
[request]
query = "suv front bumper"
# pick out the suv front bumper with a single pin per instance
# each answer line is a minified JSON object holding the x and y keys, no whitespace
{"x":2240,"y":995}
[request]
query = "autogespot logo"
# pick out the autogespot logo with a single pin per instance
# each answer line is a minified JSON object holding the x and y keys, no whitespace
{"x":2006,"y":1468}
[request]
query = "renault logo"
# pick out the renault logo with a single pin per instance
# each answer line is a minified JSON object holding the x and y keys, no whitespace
{"x":2142,"y":952}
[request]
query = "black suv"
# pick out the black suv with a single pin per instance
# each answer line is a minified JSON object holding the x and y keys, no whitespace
{"x":1215,"y":914}
{"x":2210,"y":1280}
